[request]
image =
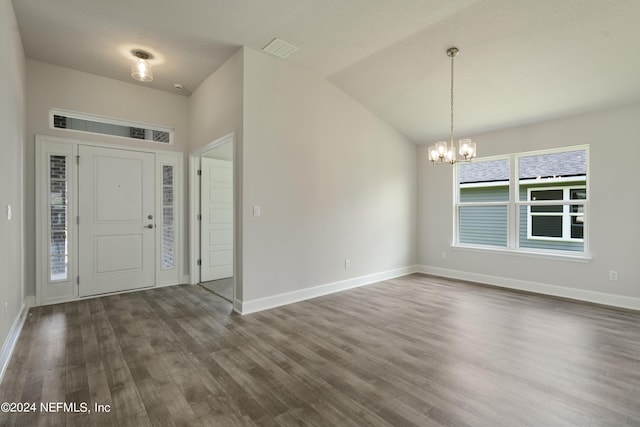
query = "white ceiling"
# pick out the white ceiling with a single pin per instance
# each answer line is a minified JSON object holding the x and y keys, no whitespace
{"x":520,"y":61}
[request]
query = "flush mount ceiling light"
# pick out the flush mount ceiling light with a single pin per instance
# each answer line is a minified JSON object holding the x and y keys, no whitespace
{"x":141,"y":69}
{"x":444,"y":152}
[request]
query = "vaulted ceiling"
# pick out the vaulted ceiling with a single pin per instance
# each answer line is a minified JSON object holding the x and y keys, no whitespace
{"x":520,"y":61}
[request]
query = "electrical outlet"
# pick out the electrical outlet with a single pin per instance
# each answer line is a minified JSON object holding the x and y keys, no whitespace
{"x":257,"y":211}
{"x":613,"y":275}
{"x":9,"y":214}
{"x":347,"y":263}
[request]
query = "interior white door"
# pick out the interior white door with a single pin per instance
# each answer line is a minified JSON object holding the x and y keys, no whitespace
{"x":217,"y":219}
{"x":117,"y":225}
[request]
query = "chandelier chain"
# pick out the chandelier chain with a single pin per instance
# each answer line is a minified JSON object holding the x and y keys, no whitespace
{"x":451,"y":135}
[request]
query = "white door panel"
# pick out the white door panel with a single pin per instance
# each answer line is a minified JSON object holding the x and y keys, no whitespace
{"x":217,"y":219}
{"x":116,"y":198}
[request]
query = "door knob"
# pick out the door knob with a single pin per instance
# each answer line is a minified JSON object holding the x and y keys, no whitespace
{"x":148,"y":226}
{"x":150,"y":217}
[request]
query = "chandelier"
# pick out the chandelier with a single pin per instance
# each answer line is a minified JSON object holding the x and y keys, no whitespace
{"x":444,"y":152}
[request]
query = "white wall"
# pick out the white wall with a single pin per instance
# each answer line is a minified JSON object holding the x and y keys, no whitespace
{"x":51,"y":86}
{"x":12,"y":123}
{"x":216,"y":110}
{"x":334,"y":182}
{"x":613,"y":211}
{"x":215,"y":107}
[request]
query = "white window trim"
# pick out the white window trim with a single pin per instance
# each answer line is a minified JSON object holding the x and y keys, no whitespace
{"x":513,"y":223}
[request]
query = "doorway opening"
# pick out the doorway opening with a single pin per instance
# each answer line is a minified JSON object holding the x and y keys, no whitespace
{"x":213,"y":231}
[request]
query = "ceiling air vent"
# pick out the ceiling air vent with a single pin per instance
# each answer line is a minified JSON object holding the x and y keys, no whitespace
{"x":280,"y":48}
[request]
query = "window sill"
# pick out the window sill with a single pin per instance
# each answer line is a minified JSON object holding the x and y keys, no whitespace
{"x":578,"y":257}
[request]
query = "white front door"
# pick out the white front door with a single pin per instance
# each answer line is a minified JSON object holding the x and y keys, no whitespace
{"x":217,"y":219}
{"x":117,"y":223}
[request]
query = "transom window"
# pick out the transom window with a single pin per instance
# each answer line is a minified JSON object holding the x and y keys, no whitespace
{"x":81,"y":122}
{"x":527,"y":201}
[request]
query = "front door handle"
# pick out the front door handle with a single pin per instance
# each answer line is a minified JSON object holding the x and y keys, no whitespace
{"x":148,"y":226}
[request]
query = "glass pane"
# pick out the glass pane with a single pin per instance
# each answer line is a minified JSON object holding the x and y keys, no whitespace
{"x":167,"y":175}
{"x":546,"y":195}
{"x":58,"y":218}
{"x":484,"y":194}
{"x":483,"y":225}
{"x":58,"y":192}
{"x":167,"y":247}
{"x":491,"y":171}
{"x":167,"y":196}
{"x":553,"y":165}
{"x":578,"y":194}
{"x":59,"y":267}
{"x":58,"y":169}
{"x":167,"y":216}
{"x":547,"y":209}
{"x":577,"y":227}
{"x":168,"y":222}
{"x":546,"y":226}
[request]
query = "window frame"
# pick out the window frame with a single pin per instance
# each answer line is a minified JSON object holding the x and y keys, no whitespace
{"x":514,"y":205}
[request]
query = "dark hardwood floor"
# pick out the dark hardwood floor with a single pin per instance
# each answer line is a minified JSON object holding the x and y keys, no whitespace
{"x":417,"y":350}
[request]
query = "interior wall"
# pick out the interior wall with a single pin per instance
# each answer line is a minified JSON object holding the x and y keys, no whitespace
{"x":333,"y":181}
{"x":50,"y":86}
{"x":613,"y":206}
{"x":12,"y":123}
{"x":215,"y":107}
{"x":216,"y":110}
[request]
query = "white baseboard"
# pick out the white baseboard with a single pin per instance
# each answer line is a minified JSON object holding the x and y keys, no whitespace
{"x":14,"y":333}
{"x":540,"y":288}
{"x":252,"y":306}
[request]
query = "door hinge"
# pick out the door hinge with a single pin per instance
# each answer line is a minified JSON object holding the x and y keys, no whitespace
{"x":199,"y":262}
{"x":199,"y":172}
{"x":199,"y":217}
{"x":78,"y":220}
{"x":78,"y":280}
{"x":77,"y":160}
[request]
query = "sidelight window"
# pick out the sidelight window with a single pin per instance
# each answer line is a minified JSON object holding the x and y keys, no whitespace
{"x":58,"y":218}
{"x":168,"y":216}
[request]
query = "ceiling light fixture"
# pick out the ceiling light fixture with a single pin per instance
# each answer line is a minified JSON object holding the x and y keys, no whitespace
{"x":444,"y":152}
{"x":141,"y":69}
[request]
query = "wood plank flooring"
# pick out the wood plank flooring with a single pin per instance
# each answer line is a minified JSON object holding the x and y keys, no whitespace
{"x":417,"y":350}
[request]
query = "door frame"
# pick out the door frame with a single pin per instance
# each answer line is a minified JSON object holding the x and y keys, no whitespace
{"x":68,"y":290}
{"x":194,"y":211}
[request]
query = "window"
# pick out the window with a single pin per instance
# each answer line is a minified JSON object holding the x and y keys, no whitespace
{"x":168,"y":223}
{"x":58,"y":218}
{"x":60,"y":119}
{"x":528,"y":201}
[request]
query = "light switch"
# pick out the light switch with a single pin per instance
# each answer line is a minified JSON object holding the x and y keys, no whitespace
{"x":9,"y":213}
{"x":256,"y":211}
